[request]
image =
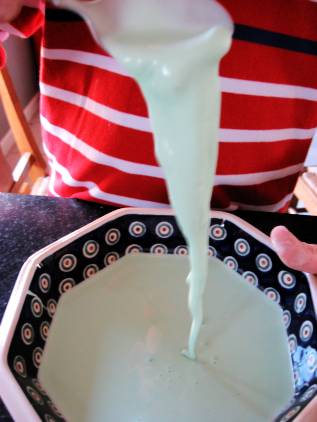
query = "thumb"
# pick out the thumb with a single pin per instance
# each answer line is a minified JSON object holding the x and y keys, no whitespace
{"x":295,"y":254}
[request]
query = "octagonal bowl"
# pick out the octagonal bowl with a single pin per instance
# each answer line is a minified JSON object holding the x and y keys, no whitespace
{"x":73,"y":259}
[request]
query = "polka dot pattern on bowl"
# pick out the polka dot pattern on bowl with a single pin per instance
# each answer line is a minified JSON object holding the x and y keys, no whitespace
{"x":131,"y":234}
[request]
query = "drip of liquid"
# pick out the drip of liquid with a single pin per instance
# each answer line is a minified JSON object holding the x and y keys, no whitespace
{"x":175,"y":60}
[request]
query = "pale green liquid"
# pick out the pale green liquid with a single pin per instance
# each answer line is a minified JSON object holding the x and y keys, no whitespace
{"x":178,"y":74}
{"x":151,"y":40}
{"x":113,"y":352}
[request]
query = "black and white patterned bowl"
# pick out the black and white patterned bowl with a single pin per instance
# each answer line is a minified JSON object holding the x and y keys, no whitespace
{"x":71,"y":260}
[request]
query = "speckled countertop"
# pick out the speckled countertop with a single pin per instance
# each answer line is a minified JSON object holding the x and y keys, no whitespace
{"x":28,"y":223}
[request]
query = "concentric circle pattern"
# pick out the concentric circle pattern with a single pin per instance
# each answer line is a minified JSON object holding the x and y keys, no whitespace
{"x":133,"y":234}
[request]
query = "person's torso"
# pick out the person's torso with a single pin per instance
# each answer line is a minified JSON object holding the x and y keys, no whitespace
{"x":97,"y":133}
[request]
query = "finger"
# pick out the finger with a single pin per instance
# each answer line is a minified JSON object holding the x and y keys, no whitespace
{"x":295,"y":254}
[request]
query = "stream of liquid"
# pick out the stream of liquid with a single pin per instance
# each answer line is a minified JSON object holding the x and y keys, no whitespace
{"x":178,"y":74}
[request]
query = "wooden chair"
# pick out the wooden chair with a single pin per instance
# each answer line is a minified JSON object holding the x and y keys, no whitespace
{"x":306,"y":190}
{"x":31,"y":170}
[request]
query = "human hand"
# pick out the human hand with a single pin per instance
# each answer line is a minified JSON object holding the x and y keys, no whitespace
{"x":295,"y":254}
{"x":9,"y":9}
{"x":300,"y":256}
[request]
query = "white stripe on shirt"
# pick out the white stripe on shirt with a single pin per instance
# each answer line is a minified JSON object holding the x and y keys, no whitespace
{"x":265,"y":135}
{"x":129,"y":167}
{"x":266,"y":89}
{"x":52,"y":179}
{"x":143,"y":123}
{"x":256,"y":178}
{"x":271,"y":208}
{"x":97,"y":193}
{"x":99,"y":157}
{"x":228,"y":85}
{"x":94,"y":190}
{"x":6,"y":27}
{"x":83,"y":57}
{"x":114,"y":116}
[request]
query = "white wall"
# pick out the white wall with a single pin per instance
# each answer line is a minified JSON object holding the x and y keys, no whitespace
{"x":22,"y":69}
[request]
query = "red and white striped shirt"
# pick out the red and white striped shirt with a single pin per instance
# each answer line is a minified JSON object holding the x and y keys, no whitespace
{"x":96,"y":131}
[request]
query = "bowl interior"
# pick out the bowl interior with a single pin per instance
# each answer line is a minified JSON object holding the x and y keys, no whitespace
{"x":159,"y":234}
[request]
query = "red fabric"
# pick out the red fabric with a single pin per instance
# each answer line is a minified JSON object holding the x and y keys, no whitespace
{"x":127,"y":144}
{"x":254,"y":195}
{"x":83,"y":41}
{"x":29,"y":21}
{"x":3,"y":57}
{"x":292,"y":17}
{"x":267,"y":64}
{"x":252,"y":172}
{"x":95,"y":83}
{"x":269,"y":157}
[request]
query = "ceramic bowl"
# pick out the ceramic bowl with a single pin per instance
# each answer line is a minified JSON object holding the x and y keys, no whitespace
{"x":71,"y":260}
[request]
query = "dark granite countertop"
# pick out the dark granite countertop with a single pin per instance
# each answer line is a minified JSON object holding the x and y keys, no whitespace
{"x":28,"y":223}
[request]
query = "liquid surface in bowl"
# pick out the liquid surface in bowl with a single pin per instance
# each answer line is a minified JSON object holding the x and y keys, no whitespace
{"x":112,"y":353}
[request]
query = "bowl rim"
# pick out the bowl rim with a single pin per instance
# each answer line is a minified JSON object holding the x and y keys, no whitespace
{"x":10,"y":391}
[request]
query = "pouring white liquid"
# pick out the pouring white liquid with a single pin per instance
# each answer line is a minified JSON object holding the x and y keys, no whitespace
{"x":180,"y":82}
{"x":175,"y":59}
